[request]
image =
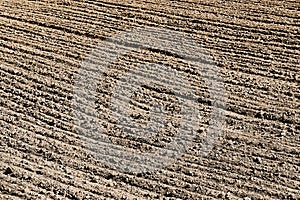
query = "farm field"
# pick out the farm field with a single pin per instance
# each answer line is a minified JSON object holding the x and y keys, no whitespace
{"x":45,"y":46}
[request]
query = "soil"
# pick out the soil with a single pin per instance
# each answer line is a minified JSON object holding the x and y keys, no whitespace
{"x":255,"y":46}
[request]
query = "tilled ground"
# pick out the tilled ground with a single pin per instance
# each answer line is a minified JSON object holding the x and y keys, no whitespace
{"x":255,"y":45}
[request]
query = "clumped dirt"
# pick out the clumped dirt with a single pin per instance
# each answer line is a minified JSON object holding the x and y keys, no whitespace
{"x":255,"y":45}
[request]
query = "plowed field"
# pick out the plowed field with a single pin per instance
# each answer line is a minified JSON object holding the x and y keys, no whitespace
{"x":45,"y":45}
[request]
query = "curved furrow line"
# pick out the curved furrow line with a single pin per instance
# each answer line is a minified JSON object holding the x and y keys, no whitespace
{"x":231,"y":163}
{"x":59,"y":104}
{"x":180,"y":10}
{"x":262,"y":88}
{"x":45,"y":180}
{"x":11,"y":188}
{"x":245,"y":39}
{"x":121,"y":179}
{"x":253,"y":57}
{"x":64,"y":138}
{"x":70,"y":85}
{"x":51,"y":115}
{"x":190,"y":169}
{"x":213,"y":26}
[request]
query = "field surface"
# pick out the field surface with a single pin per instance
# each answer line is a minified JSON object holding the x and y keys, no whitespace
{"x":255,"y":46}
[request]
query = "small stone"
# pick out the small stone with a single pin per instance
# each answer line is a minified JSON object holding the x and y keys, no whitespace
{"x":124,"y":197}
{"x":110,"y":184}
{"x":199,"y":117}
{"x":291,"y":196}
{"x":283,"y":133}
{"x":228,"y":195}
{"x":70,"y":176}
{"x":67,"y":170}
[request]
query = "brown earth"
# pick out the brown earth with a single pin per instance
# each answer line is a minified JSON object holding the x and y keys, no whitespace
{"x":255,"y":45}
